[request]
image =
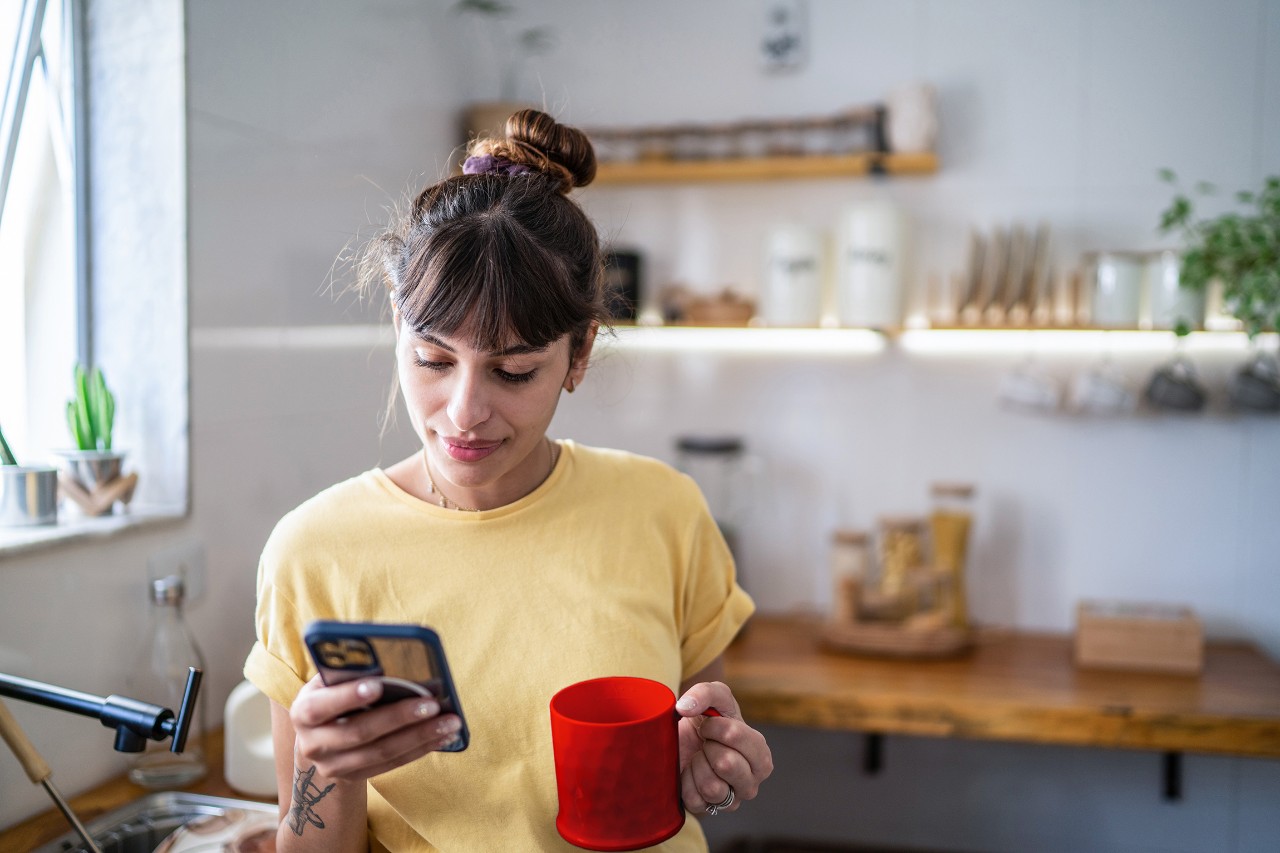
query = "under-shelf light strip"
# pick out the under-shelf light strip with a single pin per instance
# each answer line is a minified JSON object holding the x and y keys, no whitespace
{"x":746,"y":340}
{"x":980,"y":341}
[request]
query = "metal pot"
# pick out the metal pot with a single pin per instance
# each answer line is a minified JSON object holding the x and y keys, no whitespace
{"x":28,"y":496}
{"x":92,"y":468}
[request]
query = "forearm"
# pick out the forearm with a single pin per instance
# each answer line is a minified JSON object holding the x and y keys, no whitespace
{"x":324,"y":816}
{"x":317,"y":814}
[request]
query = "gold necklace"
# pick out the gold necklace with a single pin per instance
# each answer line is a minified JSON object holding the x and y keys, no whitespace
{"x":432,"y":488}
{"x":445,"y":503}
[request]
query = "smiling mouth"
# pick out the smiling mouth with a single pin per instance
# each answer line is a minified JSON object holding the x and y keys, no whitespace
{"x":469,"y":451}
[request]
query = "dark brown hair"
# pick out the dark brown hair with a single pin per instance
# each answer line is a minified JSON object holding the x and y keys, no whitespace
{"x":505,"y":254}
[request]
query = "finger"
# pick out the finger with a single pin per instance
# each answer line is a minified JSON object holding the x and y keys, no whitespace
{"x":360,"y":729}
{"x":742,"y":740}
{"x":712,"y":788}
{"x":706,"y":695}
{"x":317,"y":704}
{"x":732,"y":768}
{"x":689,"y":792}
{"x":394,"y":750}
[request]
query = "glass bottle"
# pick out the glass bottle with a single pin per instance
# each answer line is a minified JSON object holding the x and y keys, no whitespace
{"x":850,"y":571}
{"x":949,"y":525}
{"x":160,"y":677}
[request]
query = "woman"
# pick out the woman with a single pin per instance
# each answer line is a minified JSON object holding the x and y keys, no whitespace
{"x":540,"y":563}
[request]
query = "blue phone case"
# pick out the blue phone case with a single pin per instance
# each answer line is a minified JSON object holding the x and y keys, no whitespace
{"x":407,"y":657}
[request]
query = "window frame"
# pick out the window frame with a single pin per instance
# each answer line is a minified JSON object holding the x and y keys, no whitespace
{"x":91,"y":37}
{"x":28,"y":51}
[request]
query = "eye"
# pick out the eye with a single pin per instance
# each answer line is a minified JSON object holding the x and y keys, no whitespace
{"x":515,"y":378}
{"x":429,"y":365}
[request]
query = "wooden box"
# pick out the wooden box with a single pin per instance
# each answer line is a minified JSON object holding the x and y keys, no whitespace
{"x":1151,"y":638}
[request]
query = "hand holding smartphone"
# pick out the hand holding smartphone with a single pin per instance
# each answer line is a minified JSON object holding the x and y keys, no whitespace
{"x":408,"y":658}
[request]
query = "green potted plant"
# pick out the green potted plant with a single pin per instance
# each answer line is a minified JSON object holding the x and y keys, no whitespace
{"x":28,"y":496}
{"x":510,"y":49}
{"x":1239,"y":249}
{"x":93,"y":463}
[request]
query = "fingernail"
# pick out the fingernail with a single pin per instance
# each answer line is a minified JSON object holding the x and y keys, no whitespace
{"x":427,"y":709}
{"x":687,"y":703}
{"x":454,"y":744}
{"x":449,"y":726}
{"x":369,"y":688}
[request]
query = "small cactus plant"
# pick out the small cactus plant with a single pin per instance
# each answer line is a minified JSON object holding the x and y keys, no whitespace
{"x":91,"y":414}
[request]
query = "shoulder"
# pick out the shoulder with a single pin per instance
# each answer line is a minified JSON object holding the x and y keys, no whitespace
{"x":638,"y":475}
{"x":321,"y":519}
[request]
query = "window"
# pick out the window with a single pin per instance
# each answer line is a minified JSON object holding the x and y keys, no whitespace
{"x":43,"y":327}
{"x":126,"y":221}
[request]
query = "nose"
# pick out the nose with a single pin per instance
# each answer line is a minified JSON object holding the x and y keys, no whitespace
{"x":468,"y":405}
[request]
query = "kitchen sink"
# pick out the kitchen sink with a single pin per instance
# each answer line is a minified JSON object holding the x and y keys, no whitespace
{"x":140,"y":826}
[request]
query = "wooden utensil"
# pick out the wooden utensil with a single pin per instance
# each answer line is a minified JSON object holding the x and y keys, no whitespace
{"x":994,"y":268}
{"x":970,"y":313}
{"x":1040,"y":291}
{"x":37,"y":770}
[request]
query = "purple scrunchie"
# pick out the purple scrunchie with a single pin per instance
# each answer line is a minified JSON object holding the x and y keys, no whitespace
{"x":488,"y":164}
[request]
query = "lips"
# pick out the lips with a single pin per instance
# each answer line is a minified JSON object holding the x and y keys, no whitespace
{"x":469,"y":451}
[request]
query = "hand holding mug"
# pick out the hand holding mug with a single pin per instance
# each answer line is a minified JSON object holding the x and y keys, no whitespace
{"x":722,"y":759}
{"x":629,"y":761}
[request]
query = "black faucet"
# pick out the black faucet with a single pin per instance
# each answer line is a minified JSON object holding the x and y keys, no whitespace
{"x":135,"y":721}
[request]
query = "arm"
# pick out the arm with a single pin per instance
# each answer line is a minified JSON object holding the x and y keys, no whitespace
{"x":326,"y":747}
{"x":717,"y":753}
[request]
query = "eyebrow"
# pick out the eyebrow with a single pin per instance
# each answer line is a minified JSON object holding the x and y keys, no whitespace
{"x":517,"y":349}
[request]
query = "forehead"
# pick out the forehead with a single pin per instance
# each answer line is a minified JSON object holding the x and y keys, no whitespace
{"x":465,"y":341}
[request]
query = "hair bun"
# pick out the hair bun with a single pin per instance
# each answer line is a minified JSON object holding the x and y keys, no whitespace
{"x":565,"y":146}
{"x":536,"y":141}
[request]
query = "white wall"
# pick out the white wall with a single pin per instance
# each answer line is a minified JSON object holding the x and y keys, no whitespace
{"x":303,"y":125}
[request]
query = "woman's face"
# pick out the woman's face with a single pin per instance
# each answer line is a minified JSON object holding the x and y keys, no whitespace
{"x":482,"y":416}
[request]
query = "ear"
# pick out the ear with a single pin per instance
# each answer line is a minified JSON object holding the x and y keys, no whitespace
{"x":395,"y":319}
{"x":579,"y":360}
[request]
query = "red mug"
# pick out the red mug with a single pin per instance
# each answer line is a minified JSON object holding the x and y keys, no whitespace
{"x":617,"y":759}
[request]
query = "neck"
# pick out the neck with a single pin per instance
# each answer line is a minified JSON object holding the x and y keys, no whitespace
{"x":544,"y":466}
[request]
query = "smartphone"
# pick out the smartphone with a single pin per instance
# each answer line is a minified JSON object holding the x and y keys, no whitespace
{"x":408,"y":658}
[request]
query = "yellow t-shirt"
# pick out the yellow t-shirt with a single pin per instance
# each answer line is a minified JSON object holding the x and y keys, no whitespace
{"x":612,"y":566}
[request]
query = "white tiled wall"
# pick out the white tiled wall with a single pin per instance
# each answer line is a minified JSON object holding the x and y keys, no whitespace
{"x":305,"y":121}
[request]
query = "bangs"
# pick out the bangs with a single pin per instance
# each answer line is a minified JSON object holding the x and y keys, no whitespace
{"x":486,"y":277}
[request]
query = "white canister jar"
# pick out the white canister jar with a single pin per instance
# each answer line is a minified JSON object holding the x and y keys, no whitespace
{"x":792,"y":292}
{"x":1115,"y":289}
{"x":1168,"y":303}
{"x":871,"y":255}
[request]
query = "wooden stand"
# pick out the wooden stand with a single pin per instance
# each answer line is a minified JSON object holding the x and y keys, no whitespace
{"x":895,"y":640}
{"x":102,"y":498}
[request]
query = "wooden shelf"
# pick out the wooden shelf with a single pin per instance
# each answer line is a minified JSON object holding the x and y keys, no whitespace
{"x":764,"y":168}
{"x":1013,"y":686}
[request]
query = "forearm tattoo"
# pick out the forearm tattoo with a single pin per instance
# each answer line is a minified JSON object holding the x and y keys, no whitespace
{"x":306,"y":793}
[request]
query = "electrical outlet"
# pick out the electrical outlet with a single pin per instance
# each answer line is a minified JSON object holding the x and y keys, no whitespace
{"x":785,"y":43}
{"x":184,"y":559}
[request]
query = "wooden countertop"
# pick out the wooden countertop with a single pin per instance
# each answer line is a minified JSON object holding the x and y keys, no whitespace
{"x":1011,"y":686}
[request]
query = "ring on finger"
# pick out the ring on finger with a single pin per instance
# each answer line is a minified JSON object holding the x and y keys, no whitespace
{"x":715,"y":808}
